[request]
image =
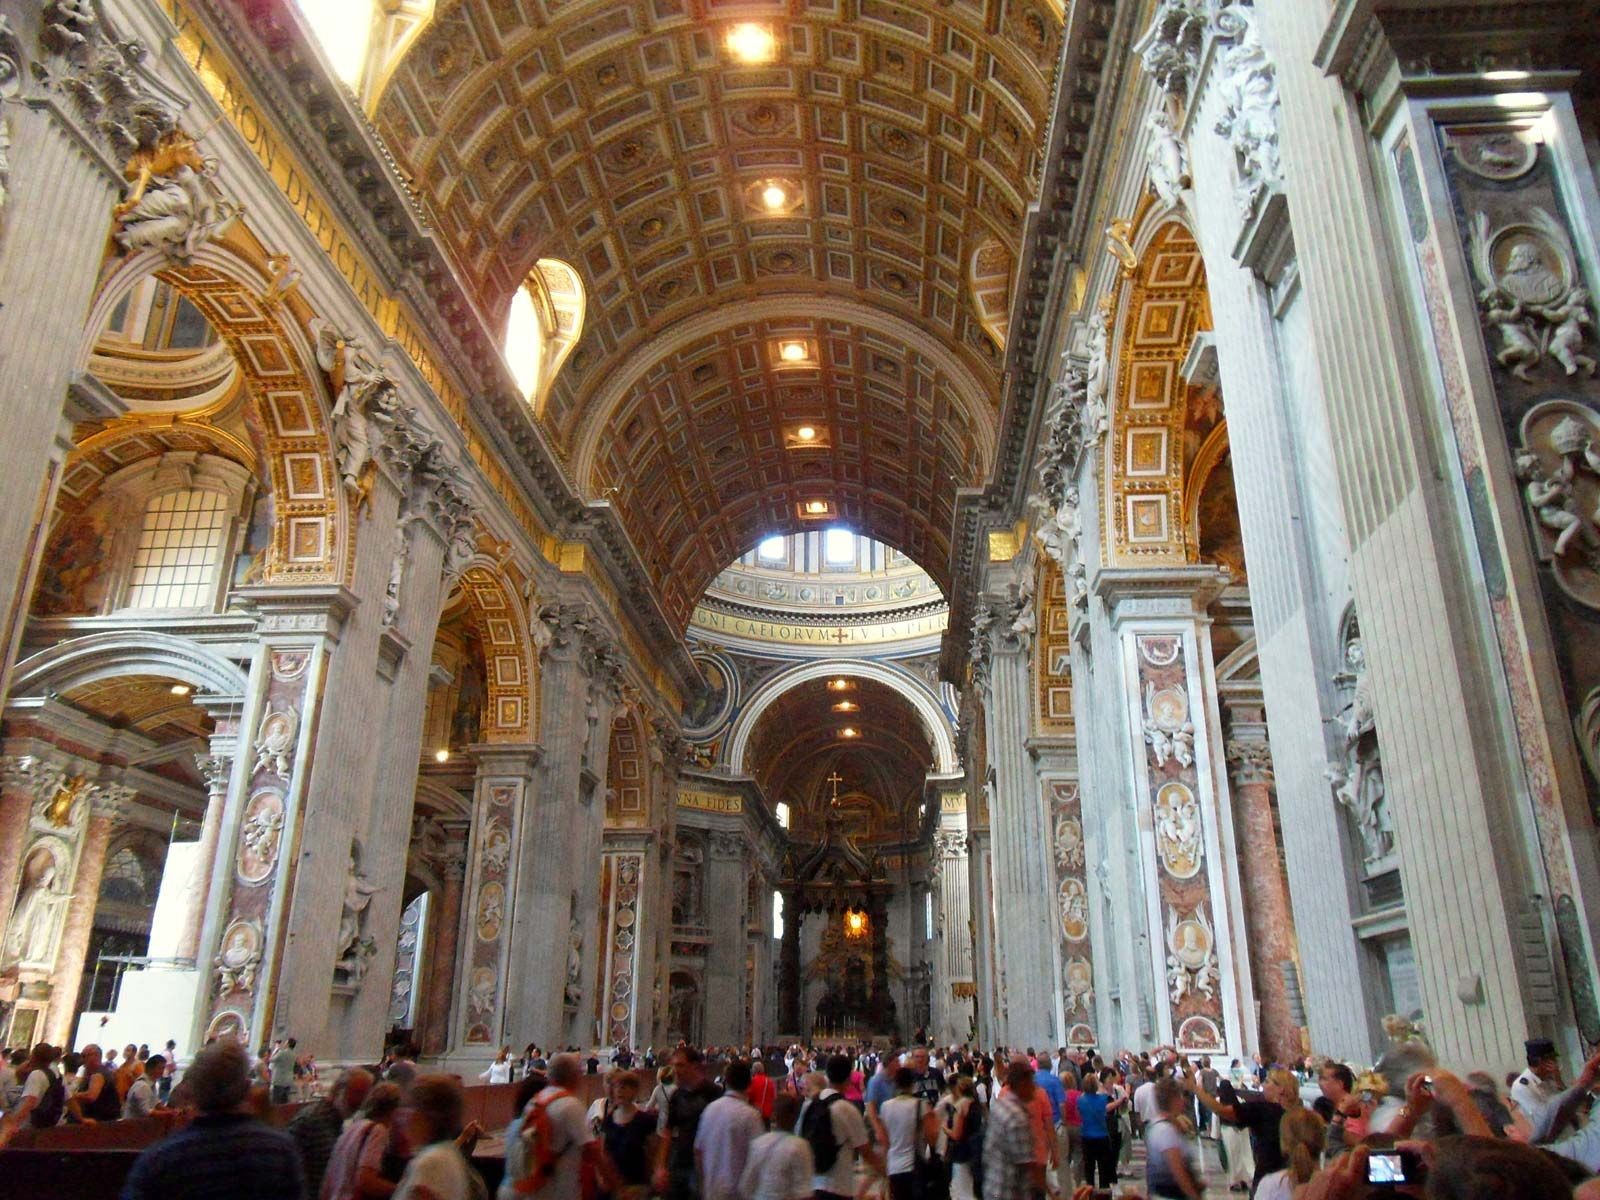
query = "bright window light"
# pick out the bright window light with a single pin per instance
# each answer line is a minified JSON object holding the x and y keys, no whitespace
{"x":781,"y":810}
{"x":524,"y":346}
{"x":928,"y":896}
{"x":777,"y":914}
{"x":774,"y":549}
{"x":839,"y":546}
{"x":342,"y":27}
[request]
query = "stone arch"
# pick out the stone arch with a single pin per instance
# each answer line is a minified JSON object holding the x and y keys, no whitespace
{"x":97,"y":656}
{"x":286,"y":402}
{"x":1160,"y":307}
{"x":925,"y":703}
{"x":511,"y":712}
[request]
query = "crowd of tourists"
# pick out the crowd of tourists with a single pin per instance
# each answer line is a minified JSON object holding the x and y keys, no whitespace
{"x":837,"y":1123}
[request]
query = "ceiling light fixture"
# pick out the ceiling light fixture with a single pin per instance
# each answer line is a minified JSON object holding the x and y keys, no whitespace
{"x":817,"y":507}
{"x":846,"y":706}
{"x":838,"y":685}
{"x":848,"y":732}
{"x":181,"y":689}
{"x":751,"y":43}
{"x":806,"y":433}
{"x":792,"y":352}
{"x":774,"y":197}
{"x":441,"y":755}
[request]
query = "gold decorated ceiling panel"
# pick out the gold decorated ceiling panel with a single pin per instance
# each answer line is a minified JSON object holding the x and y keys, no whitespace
{"x":623,"y":138}
{"x":702,"y":458}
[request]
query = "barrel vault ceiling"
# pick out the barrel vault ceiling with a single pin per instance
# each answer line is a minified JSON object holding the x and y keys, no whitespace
{"x":628,"y":140}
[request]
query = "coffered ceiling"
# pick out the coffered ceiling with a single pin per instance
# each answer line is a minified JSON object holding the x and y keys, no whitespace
{"x":627,"y":139}
{"x":797,"y":745}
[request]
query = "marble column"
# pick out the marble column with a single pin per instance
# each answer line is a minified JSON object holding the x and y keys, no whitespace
{"x":1023,"y":898}
{"x":106,"y":805}
{"x":878,"y":918}
{"x":60,"y":189}
{"x":443,"y":970}
{"x":722,"y":1000}
{"x":217,"y":769}
{"x":789,"y":968}
{"x":1267,"y":916}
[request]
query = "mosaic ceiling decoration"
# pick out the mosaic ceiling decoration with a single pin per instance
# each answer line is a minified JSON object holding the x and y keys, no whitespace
{"x":882,"y":159}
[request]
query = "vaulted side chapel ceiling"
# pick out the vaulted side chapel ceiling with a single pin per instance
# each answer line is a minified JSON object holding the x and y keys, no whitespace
{"x":860,"y":194}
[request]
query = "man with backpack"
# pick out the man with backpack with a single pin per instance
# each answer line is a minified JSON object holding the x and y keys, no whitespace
{"x":44,"y":1095}
{"x":837,"y":1133}
{"x":556,"y":1138}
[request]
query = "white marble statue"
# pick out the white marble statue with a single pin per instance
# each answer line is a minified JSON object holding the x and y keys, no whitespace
{"x":33,"y":921}
{"x":1249,"y":89}
{"x":353,"y":950}
{"x":572,"y":994}
{"x":176,"y":212}
{"x":363,"y":394}
{"x":1168,"y":158}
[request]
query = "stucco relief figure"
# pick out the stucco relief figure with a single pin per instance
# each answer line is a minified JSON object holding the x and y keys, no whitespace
{"x":1168,"y":158}
{"x":363,"y":394}
{"x":30,"y":936}
{"x":401,"y":550}
{"x":1177,"y":822}
{"x":572,"y":994}
{"x":1078,"y":977}
{"x":496,"y":848}
{"x":275,"y":738}
{"x":173,"y":204}
{"x":260,"y":835}
{"x":1097,"y":376}
{"x":353,"y":949}
{"x":238,"y":958}
{"x":1074,"y":904}
{"x":1528,"y":275}
{"x":1249,"y":89}
{"x":1559,"y":466}
{"x":480,"y":993}
{"x":1170,"y":47}
{"x":1069,"y":845}
{"x":1191,"y":963}
{"x":1167,"y":729}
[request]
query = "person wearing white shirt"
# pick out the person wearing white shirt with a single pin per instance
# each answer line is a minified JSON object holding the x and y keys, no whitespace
{"x":499,"y":1070}
{"x":910,"y":1128}
{"x":726,"y":1131}
{"x":780,"y":1164}
{"x":141,"y":1098}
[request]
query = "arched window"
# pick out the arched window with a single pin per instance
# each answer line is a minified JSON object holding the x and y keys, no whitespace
{"x":344,"y":30}
{"x":180,"y":545}
{"x":543,"y":324}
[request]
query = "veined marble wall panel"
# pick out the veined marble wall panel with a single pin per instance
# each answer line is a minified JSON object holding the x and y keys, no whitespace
{"x":496,"y":828}
{"x":1074,"y":901}
{"x":1179,"y":830}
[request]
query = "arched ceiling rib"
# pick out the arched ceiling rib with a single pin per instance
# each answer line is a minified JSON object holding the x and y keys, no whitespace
{"x":623,"y":138}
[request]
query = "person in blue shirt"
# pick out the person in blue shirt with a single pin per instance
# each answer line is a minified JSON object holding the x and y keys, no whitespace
{"x":1099,"y":1159}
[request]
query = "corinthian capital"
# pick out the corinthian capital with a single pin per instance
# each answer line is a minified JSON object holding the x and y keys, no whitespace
{"x":1249,"y":762}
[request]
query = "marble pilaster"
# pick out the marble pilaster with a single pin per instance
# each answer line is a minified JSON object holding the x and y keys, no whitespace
{"x":723,"y":1022}
{"x":489,"y":1011}
{"x":954,"y":981}
{"x":62,"y":184}
{"x":1023,"y":897}
{"x":1188,"y":857}
{"x":990,"y":1028}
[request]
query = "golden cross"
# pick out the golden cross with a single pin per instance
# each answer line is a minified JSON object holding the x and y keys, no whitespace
{"x":836,"y":779}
